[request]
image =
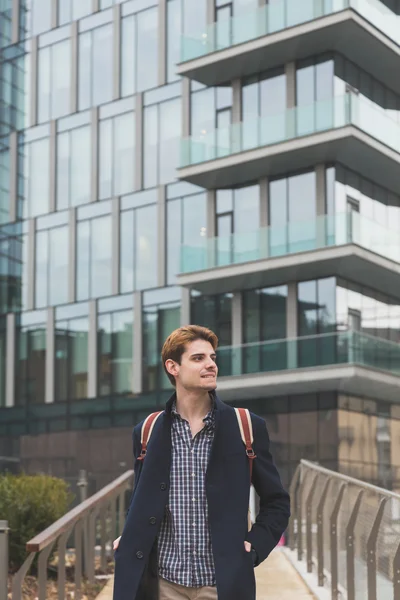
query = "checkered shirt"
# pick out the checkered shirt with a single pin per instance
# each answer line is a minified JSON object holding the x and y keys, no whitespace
{"x":184,"y":545}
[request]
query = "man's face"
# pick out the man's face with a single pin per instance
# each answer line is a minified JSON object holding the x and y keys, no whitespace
{"x":198,"y":369}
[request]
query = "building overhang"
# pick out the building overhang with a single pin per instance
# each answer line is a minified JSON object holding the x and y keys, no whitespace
{"x":346,"y":32}
{"x":348,"y":379}
{"x":348,"y":145}
{"x":348,"y":261}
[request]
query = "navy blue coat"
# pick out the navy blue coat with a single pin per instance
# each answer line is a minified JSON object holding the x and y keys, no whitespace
{"x":227,"y":489}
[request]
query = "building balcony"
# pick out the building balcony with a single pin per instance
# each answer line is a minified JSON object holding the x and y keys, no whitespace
{"x":345,"y":128}
{"x":346,"y":245}
{"x":365,"y":31}
{"x":349,"y":361}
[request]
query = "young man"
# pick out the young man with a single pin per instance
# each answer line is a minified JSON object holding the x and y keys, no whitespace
{"x":186,"y":532}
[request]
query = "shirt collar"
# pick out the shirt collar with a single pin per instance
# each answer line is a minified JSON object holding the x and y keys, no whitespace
{"x":209,"y":419}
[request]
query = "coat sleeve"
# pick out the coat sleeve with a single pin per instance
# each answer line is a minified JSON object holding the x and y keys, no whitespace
{"x":137,"y":463}
{"x":273,"y":517}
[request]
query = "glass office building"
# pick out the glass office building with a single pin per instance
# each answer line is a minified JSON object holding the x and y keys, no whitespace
{"x":230,"y":163}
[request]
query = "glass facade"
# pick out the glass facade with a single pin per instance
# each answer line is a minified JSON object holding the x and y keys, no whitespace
{"x":94,"y":215}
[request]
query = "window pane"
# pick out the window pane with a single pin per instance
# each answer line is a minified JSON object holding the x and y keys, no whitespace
{"x":78,"y":343}
{"x":64,"y":12}
{"x":124,"y":154}
{"x":150,"y":147}
{"x":61,"y":79}
{"x":105,"y":159}
{"x":100,"y":256}
{"x":302,"y":197}
{"x":63,"y":179}
{"x":247,"y":209}
{"x":81,"y":162}
{"x":102,"y":64}
{"x":170,"y":131}
{"x":146,"y":247}
{"x":58,"y":267}
{"x":147,"y":48}
{"x":81,"y":8}
{"x":104,"y":354}
{"x":42,"y":259}
{"x":39,"y":177}
{"x":127,"y":245}
{"x":307,"y":307}
{"x":82,"y":261}
{"x":44,"y":85}
{"x":31,"y":369}
{"x":122,"y":352}
{"x":128,"y":56}
{"x":174,"y":25}
{"x":85,"y":70}
{"x":41,"y":16}
{"x":174,"y":238}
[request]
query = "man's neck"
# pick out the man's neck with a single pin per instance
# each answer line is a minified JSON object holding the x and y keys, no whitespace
{"x":193,"y":406}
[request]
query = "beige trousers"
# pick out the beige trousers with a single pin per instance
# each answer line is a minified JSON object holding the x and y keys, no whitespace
{"x":172,"y":591}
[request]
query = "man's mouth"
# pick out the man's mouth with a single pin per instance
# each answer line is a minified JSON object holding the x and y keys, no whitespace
{"x":210,"y":376}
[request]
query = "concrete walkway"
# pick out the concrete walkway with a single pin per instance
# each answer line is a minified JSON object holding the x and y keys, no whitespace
{"x":276,"y":580}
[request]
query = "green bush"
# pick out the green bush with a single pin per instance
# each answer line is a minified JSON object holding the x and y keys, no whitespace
{"x":30,"y":504}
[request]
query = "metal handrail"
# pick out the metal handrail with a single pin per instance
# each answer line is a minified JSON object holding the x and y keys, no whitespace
{"x":350,"y":531}
{"x":97,"y":513}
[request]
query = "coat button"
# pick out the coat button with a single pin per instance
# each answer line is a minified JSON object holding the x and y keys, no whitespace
{"x":139,"y":554}
{"x":163,"y":487}
{"x":152,"y":520}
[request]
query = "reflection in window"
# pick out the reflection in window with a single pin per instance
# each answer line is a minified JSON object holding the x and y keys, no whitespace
{"x":117,"y":156}
{"x":73,"y":10}
{"x":37,"y":174}
{"x":51,"y":286}
{"x":139,"y":249}
{"x":265,"y":320}
{"x":3,"y":358}
{"x":73,"y":167}
{"x":162,"y":129}
{"x":71,"y":359}
{"x":214,"y":312}
{"x":314,"y":94}
{"x":94,"y":257}
{"x":139,"y":59}
{"x":41,"y":16}
{"x":95,"y":67}
{"x":30,"y":380}
{"x":158,"y":322}
{"x":174,"y":32}
{"x":54,"y":81}
{"x":115,"y":352}
{"x":4,"y":179}
{"x":186,"y":225}
{"x":14,"y":259}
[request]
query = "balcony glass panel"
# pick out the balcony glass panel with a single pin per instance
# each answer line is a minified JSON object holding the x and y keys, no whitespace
{"x":347,"y":347}
{"x":299,"y":236}
{"x":280,"y":15}
{"x":258,"y":132}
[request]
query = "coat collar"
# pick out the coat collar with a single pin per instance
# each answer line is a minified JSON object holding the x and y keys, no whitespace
{"x":218,"y":404}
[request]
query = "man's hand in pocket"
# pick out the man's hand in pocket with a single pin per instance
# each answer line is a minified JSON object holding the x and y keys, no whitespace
{"x":116,"y":543}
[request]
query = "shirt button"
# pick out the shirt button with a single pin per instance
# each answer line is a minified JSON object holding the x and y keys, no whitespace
{"x":194,"y":524}
{"x":139,"y":554}
{"x":152,"y":520}
{"x":194,"y":499}
{"x":193,"y":474}
{"x":163,"y":486}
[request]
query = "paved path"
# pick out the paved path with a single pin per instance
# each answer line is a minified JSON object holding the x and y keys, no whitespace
{"x":276,"y":580}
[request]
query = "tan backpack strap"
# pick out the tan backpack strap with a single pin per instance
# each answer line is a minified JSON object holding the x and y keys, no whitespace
{"x":147,"y":430}
{"x":246,"y":431}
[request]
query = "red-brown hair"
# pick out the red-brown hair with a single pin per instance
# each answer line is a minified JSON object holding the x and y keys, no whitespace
{"x":175,"y":344}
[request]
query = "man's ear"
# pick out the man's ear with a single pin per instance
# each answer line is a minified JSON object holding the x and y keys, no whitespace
{"x":172,"y":367}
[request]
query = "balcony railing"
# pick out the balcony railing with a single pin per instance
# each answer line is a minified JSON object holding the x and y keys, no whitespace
{"x":300,"y":236}
{"x":338,"y":348}
{"x":275,"y":17}
{"x":253,"y":133}
{"x":346,"y":533}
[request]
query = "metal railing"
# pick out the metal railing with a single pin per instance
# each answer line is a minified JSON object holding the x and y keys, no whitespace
{"x":347,"y":532}
{"x":99,"y":519}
